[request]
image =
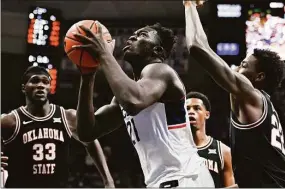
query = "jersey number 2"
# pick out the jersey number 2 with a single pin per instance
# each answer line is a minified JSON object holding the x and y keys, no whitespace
{"x":132,"y":131}
{"x":277,"y":133}
{"x":40,"y":154}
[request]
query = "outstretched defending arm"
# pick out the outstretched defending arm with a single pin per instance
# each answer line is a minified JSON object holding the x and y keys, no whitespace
{"x":197,"y":43}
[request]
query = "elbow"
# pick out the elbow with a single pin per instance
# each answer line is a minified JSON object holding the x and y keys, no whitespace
{"x":86,"y":138}
{"x":86,"y":135}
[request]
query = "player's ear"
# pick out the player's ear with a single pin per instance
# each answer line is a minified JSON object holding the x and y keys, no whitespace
{"x":260,"y":76}
{"x":159,"y":51}
{"x":207,"y":114}
{"x":23,"y":88}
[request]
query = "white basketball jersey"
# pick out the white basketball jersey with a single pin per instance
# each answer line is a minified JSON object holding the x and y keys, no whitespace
{"x":162,"y":137}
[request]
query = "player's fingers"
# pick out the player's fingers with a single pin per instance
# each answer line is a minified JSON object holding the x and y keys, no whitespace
{"x":3,"y":164}
{"x":99,"y":28}
{"x":87,"y":31}
{"x":4,"y":158}
{"x":81,"y":46}
{"x":82,"y":38}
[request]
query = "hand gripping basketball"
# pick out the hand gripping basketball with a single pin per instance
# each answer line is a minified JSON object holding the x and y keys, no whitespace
{"x":94,"y":44}
{"x":85,"y":42}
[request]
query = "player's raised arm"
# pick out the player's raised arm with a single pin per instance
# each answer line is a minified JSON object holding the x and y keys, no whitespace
{"x":197,"y":42}
{"x":106,"y":118}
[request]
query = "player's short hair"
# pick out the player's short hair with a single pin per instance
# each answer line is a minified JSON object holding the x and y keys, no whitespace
{"x":167,"y":37}
{"x":202,"y":97}
{"x":34,"y":70}
{"x":271,"y":64}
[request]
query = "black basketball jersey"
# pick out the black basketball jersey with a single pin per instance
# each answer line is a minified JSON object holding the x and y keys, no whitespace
{"x":214,"y":160}
{"x":38,"y":150}
{"x":258,"y":151}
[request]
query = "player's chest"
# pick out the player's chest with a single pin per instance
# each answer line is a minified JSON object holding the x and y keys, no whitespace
{"x":43,"y":134}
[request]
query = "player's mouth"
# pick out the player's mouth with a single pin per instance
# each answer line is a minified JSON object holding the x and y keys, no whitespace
{"x":192,"y":120}
{"x":126,"y":47}
{"x":40,"y":93}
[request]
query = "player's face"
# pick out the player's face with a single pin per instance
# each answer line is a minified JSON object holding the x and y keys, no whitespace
{"x":197,"y":112}
{"x":141,"y":44}
{"x":37,"y":88}
{"x":248,"y":68}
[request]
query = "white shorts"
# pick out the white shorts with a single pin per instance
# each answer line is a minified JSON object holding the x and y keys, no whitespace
{"x":201,"y":179}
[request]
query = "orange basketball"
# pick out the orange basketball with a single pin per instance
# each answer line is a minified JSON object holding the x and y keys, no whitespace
{"x":81,"y":57}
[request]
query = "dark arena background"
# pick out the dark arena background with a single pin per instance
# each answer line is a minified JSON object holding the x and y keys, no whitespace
{"x":33,"y":32}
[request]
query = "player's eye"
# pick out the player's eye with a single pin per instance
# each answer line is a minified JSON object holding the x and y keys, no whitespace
{"x":197,"y":108}
{"x":34,"y":80}
{"x":143,"y":34}
{"x":46,"y":82}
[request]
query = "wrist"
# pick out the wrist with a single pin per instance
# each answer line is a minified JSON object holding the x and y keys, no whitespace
{"x":104,"y":56}
{"x":109,"y":182}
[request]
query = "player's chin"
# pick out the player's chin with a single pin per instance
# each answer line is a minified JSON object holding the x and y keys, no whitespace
{"x":128,"y":55}
{"x":194,"y":126}
{"x":40,"y":100}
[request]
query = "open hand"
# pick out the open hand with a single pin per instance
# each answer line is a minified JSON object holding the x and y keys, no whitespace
{"x":95,"y":44}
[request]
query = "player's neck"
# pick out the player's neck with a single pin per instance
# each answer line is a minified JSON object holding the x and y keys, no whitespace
{"x":200,"y":137}
{"x":37,"y":109}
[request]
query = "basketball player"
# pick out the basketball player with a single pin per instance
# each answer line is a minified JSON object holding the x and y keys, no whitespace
{"x":217,"y":155}
{"x":37,"y":136}
{"x":257,"y":140}
{"x":152,"y":107}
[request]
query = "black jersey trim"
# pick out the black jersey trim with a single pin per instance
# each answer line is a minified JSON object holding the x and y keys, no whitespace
{"x":65,"y":123}
{"x":206,"y":145}
{"x":17,"y":129}
{"x":35,"y":118}
{"x":221,"y":154}
{"x":255,"y":124}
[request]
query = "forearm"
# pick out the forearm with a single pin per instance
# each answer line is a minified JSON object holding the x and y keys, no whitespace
{"x":199,"y":48}
{"x":217,"y":68}
{"x":85,"y":110}
{"x":194,"y":32}
{"x":125,"y":89}
{"x":95,"y":151}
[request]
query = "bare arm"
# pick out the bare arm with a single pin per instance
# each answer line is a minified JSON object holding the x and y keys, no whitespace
{"x":229,"y":180}
{"x":135,"y":96}
{"x":8,"y":126}
{"x":106,"y":119}
{"x":94,"y":149}
{"x":197,"y":42}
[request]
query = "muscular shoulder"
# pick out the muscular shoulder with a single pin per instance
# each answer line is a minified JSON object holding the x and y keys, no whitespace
{"x":226,"y":153}
{"x":8,"y":120}
{"x":8,"y":125}
{"x":169,"y":75}
{"x":157,"y":70}
{"x":225,"y":149}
